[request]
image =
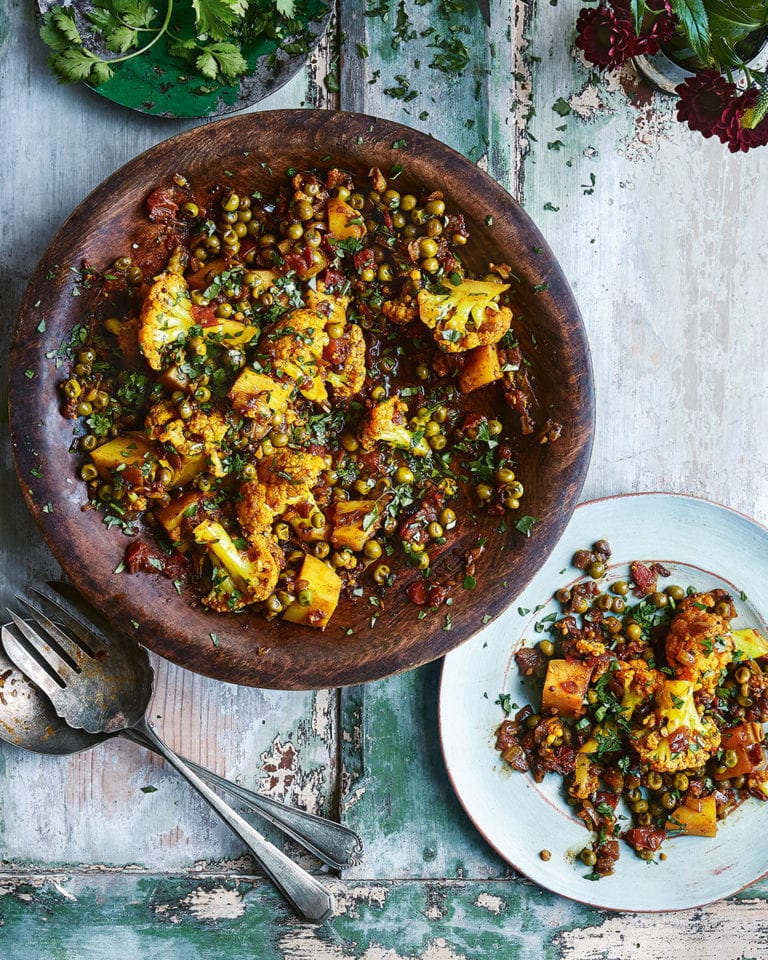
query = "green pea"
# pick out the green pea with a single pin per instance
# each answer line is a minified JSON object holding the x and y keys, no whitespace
{"x":403,"y":475}
{"x":372,"y":550}
{"x":230,"y":203}
{"x":588,"y":857}
{"x":447,"y":518}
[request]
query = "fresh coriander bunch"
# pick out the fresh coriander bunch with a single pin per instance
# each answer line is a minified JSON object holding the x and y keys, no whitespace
{"x":714,"y":39}
{"x":208,"y":35}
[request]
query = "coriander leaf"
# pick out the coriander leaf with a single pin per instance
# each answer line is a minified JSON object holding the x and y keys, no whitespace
{"x":561,"y":107}
{"x":63,"y":20}
{"x":216,"y":18}
{"x":526,"y":524}
{"x":224,"y":58}
{"x":286,"y":7}
{"x":136,"y":13}
{"x":76,"y":64}
{"x":121,"y":38}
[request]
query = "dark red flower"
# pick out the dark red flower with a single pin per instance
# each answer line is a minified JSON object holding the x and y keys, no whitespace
{"x":704,"y":98}
{"x":733,"y":133}
{"x":657,"y":31}
{"x":606,"y":35}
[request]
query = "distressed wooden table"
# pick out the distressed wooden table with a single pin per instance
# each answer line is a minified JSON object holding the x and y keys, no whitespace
{"x":663,"y":237}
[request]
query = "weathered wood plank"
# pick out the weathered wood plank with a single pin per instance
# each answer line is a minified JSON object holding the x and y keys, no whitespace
{"x":86,"y":916}
{"x":469,"y":108}
{"x":663,"y":251}
{"x":397,"y":794}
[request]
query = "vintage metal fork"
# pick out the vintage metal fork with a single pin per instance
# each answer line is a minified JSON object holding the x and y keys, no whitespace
{"x":105,"y":687}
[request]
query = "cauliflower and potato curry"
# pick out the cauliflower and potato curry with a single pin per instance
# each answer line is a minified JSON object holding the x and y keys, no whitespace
{"x":657,"y":705}
{"x":279,"y":399}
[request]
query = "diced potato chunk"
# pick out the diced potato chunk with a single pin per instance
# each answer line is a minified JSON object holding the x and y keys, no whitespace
{"x":127,"y":450}
{"x":185,"y":469}
{"x":565,"y":687}
{"x":172,"y":516}
{"x":482,"y":367}
{"x":344,"y":222}
{"x":258,"y":396}
{"x":355,"y":522}
{"x":695,"y":817}
{"x":324,"y":588}
{"x":750,"y":644}
{"x":746,"y":741}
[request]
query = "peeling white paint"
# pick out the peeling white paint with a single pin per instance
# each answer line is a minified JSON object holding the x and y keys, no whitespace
{"x":730,"y":930}
{"x":217,"y":904}
{"x":491,"y":903}
{"x":302,"y":943}
{"x":62,"y":890}
{"x":587,"y":103}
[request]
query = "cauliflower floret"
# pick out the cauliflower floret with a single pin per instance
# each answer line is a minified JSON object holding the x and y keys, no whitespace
{"x":239,"y":577}
{"x":165,"y":318}
{"x":167,"y":315}
{"x":465,"y":317}
{"x":203,"y":432}
{"x":699,"y":643}
{"x":401,"y":311}
{"x":676,"y":736}
{"x":640,"y":683}
{"x":284,"y":479}
{"x":349,"y":379}
{"x":332,"y":307}
{"x":295,"y":346}
{"x":387,"y":422}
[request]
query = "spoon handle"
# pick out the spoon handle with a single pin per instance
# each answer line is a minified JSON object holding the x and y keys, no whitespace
{"x":331,"y":842}
{"x":309,"y":898}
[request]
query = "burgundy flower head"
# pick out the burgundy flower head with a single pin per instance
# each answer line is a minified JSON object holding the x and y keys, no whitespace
{"x":703,"y":101}
{"x":606,"y":35}
{"x":731,"y":131}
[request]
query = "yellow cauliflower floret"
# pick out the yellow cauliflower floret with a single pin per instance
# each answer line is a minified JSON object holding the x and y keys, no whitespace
{"x":699,"y":643}
{"x":467,"y":316}
{"x":284,"y":479}
{"x":349,"y":379}
{"x":387,"y":422}
{"x":295,"y":346}
{"x":676,"y":736}
{"x":165,"y":318}
{"x":404,"y":310}
{"x":330,"y":306}
{"x":239,"y":577}
{"x":203,"y":432}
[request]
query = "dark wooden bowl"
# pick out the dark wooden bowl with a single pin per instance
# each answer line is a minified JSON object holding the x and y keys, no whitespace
{"x":260,"y":147}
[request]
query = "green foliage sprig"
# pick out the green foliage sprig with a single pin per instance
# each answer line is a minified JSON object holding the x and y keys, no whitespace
{"x":119,"y":26}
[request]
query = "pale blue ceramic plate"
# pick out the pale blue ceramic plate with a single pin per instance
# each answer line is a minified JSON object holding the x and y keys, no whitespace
{"x":704,"y":545}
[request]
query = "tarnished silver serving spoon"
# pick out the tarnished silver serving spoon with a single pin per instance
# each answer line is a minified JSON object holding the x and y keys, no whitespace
{"x":28,"y":721}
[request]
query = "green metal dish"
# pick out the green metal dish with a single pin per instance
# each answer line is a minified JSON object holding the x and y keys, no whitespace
{"x":162,"y":85}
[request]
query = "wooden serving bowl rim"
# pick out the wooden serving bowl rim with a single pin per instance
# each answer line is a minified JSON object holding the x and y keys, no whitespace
{"x":244,"y":648}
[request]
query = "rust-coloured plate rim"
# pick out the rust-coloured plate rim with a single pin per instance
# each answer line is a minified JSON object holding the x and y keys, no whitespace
{"x":309,"y":660}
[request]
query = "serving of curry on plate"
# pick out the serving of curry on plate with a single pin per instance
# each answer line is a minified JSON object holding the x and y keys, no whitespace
{"x":287,"y":405}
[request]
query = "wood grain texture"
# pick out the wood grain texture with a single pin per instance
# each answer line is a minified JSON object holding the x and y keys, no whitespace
{"x":353,"y":649}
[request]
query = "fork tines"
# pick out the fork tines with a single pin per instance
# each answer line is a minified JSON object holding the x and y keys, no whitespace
{"x":85,"y":627}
